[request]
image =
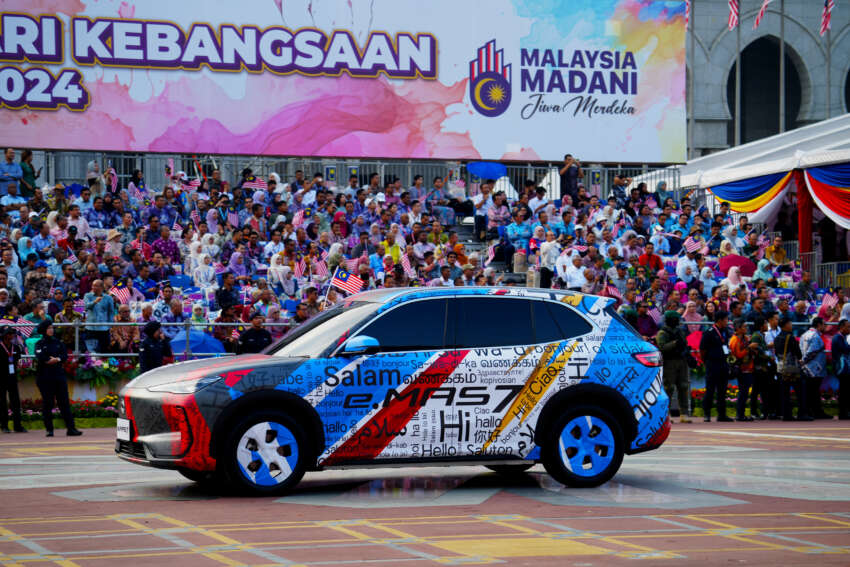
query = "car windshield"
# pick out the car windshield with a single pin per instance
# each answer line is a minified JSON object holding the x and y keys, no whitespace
{"x":328,"y":328}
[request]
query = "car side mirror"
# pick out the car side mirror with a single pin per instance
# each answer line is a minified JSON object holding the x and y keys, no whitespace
{"x":361,"y":344}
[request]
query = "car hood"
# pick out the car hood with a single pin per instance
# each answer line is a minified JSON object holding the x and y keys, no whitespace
{"x":196,"y":369}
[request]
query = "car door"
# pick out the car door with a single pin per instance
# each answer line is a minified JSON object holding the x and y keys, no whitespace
{"x":380,"y":394}
{"x":519,"y":356}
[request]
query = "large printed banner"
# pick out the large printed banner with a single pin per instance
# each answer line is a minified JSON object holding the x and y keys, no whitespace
{"x":497,"y":79}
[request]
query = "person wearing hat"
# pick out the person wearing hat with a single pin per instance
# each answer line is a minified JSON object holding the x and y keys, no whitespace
{"x":255,"y":338}
{"x":154,"y":348}
{"x":468,"y":276}
{"x":11,"y":353}
{"x":674,"y":346}
{"x":50,"y":356}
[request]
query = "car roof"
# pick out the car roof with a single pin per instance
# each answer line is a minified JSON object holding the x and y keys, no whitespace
{"x":397,"y":294}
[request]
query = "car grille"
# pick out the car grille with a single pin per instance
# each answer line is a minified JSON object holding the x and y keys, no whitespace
{"x":132,"y":449}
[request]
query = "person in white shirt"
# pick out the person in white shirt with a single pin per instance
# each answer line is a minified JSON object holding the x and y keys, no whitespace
{"x":274,"y":246}
{"x":539,"y":202}
{"x":482,"y":202}
{"x":573,"y":276}
{"x":686,"y":268}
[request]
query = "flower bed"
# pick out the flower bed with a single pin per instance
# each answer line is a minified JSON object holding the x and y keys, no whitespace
{"x":90,"y":370}
{"x":105,"y":407}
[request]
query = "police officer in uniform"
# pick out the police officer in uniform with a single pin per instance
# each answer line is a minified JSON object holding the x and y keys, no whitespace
{"x":11,"y":353}
{"x":50,"y":356}
{"x":674,"y":346}
{"x":714,"y":350}
{"x":256,"y":338}
{"x":154,"y":347}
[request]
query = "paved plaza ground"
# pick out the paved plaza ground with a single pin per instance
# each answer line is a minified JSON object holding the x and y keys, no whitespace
{"x":768,"y":493}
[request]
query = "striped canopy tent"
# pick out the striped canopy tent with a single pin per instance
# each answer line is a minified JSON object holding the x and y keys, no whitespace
{"x":755,"y":178}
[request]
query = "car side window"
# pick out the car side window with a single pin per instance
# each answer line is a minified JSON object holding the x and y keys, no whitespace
{"x":491,"y":322}
{"x":419,"y":325}
{"x":570,"y":323}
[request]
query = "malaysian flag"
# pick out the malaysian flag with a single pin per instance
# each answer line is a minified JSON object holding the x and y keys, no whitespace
{"x":829,"y":300}
{"x":691,"y":244}
{"x":195,"y":216}
{"x":300,"y":268}
{"x":72,"y":257}
{"x":121,"y":293}
{"x":79,"y":306}
{"x":136,"y":244}
{"x":612,"y":291}
{"x":761,"y":14}
{"x":236,"y":332}
{"x":321,"y":268}
{"x":298,"y":219}
{"x":687,"y":12}
{"x":491,"y":253}
{"x":195,"y":183}
{"x":255,"y":183}
{"x":176,"y":227}
{"x":656,"y":315}
{"x":219,"y":268}
{"x":26,"y":327}
{"x":405,"y":265}
{"x":347,"y":281}
{"x":351,"y":265}
{"x":826,"y":17}
{"x":733,"y":14}
{"x":233,"y":217}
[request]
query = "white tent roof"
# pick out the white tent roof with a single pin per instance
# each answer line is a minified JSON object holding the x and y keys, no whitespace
{"x":823,"y":143}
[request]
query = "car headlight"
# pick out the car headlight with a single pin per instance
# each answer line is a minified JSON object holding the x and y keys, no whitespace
{"x":185,"y":386}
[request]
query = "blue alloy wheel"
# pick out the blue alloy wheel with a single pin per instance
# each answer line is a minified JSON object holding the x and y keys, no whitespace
{"x":583,"y":447}
{"x":586,"y":445}
{"x":265,"y":453}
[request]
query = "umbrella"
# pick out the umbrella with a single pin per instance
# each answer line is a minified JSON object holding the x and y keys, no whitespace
{"x":746,"y":265}
{"x":198,"y":342}
{"x":487,"y":169}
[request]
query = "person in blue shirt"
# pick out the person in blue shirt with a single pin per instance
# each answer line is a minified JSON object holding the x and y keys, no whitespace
{"x":11,"y":201}
{"x":9,"y":172}
{"x":518,"y":232}
{"x":84,"y":201}
{"x":145,"y":284}
{"x":566,"y":226}
{"x":43,"y":242}
{"x":96,"y":216}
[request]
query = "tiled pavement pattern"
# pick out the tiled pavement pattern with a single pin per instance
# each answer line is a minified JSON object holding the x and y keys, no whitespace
{"x":765,"y":494}
{"x":151,"y":538}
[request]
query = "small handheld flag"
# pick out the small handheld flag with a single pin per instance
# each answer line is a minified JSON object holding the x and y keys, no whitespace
{"x":347,"y":281}
{"x":120,"y":292}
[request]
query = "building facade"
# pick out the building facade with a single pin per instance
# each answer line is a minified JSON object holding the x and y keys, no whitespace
{"x":817,"y":74}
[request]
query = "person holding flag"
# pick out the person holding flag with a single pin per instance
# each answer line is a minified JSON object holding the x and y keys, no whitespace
{"x":100,"y":312}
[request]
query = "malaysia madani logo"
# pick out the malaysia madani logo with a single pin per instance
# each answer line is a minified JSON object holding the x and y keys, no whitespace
{"x":490,"y":81}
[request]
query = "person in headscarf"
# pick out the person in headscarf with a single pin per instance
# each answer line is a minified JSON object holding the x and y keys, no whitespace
{"x":239,"y":268}
{"x":198,"y":318}
{"x":204,"y":273}
{"x":706,"y":276}
{"x":664,"y":281}
{"x":275,"y":273}
{"x":661,"y":193}
{"x":762,"y":271}
{"x":726,"y":248}
{"x":288,"y":282}
{"x":209,"y":246}
{"x":25,"y":247}
{"x":691,"y":315}
{"x":276,"y":324}
{"x":732,"y":280}
{"x":193,"y":259}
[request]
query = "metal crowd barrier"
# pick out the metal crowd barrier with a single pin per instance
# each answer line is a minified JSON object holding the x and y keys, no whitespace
{"x":81,"y":326}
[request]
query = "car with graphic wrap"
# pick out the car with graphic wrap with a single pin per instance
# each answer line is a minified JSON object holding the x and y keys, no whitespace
{"x":501,"y":377}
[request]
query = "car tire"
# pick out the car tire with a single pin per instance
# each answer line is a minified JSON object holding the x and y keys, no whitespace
{"x":265,"y":453}
{"x":201,"y":477}
{"x":584,"y":447}
{"x":510,"y":470}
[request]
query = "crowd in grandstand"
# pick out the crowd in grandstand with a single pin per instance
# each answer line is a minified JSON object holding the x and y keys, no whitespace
{"x":171,"y":248}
